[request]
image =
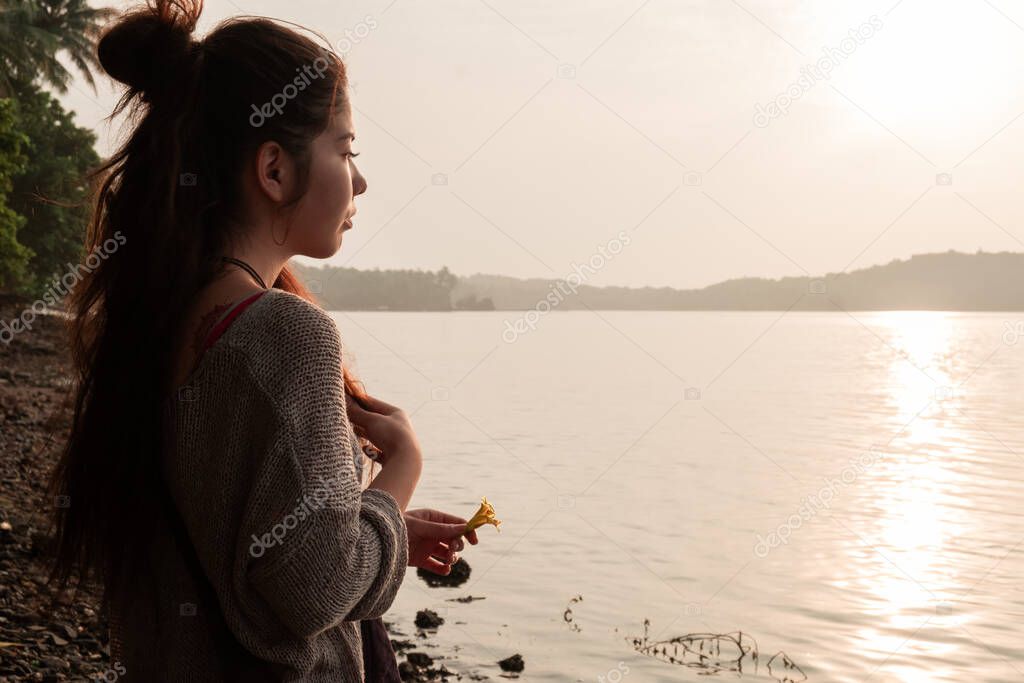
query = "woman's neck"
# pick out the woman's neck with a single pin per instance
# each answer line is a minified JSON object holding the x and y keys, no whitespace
{"x":266,"y":264}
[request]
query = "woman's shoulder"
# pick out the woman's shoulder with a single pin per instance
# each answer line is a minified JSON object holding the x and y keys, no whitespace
{"x":281,"y":313}
{"x":283,"y":328}
{"x":291,"y":351}
{"x":280,"y":345}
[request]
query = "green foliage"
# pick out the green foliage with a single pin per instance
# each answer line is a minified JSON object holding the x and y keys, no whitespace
{"x":34,"y":32}
{"x":44,"y":156}
{"x":14,"y":257}
{"x":51,"y":192}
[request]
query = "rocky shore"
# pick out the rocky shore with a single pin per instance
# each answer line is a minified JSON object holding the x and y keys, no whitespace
{"x":70,"y":641}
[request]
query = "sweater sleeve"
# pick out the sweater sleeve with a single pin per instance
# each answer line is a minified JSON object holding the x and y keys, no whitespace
{"x":323,"y":551}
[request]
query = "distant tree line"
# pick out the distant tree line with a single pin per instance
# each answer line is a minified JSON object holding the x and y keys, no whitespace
{"x":348,"y":289}
{"x":948,"y":281}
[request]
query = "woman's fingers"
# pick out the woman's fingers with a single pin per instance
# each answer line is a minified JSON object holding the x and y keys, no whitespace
{"x":442,"y":527}
{"x":378,"y":406}
{"x":355,"y":411}
{"x":450,"y":532}
{"x":439,"y":525}
{"x":445,"y":518}
{"x":359,"y":416}
{"x":445,"y":553}
{"x":452,"y":527}
{"x":432,"y":565}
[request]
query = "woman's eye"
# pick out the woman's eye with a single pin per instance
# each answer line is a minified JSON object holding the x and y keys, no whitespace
{"x":353,"y":155}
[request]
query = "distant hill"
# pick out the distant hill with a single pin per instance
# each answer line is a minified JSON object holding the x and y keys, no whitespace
{"x":950,"y":281}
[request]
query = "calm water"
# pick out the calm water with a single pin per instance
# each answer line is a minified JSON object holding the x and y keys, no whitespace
{"x":887,"y":447}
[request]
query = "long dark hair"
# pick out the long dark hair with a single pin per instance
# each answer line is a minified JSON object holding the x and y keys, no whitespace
{"x":163,"y":208}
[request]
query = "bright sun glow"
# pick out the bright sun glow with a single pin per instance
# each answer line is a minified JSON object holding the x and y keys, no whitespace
{"x":936,"y":69}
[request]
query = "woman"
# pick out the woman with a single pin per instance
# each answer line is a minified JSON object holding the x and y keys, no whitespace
{"x":211,"y":476}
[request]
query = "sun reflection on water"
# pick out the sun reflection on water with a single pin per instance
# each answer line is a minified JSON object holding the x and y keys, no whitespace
{"x":904,"y":578}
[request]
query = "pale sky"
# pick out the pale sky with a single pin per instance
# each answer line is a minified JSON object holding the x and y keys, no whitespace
{"x":558,"y":125}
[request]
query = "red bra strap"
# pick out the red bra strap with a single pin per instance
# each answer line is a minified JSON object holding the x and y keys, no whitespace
{"x":225,"y":322}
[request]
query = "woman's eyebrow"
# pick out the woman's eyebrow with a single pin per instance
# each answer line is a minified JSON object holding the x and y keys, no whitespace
{"x":345,"y":136}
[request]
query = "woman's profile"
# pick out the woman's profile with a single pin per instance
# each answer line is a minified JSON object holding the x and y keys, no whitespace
{"x":218,"y":486}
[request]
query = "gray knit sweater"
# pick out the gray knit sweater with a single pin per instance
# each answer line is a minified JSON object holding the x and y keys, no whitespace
{"x":261,"y":462}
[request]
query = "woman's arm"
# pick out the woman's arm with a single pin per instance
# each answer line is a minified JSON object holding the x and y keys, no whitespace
{"x":399,"y":477}
{"x":389,"y":429}
{"x":327,"y":552}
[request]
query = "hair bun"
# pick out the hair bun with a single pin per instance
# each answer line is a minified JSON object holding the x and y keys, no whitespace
{"x":148,"y":47}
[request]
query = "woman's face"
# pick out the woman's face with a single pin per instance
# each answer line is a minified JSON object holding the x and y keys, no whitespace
{"x":324,"y":213}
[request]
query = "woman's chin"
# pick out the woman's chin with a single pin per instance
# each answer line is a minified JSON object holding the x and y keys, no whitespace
{"x":325,"y":250}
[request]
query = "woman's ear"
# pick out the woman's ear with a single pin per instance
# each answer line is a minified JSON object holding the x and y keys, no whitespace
{"x":273,"y":171}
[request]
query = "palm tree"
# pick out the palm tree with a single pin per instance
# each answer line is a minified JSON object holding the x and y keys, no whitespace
{"x":18,"y":35}
{"x":34,"y":32}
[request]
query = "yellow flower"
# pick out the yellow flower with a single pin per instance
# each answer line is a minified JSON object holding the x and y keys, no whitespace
{"x":485,"y":515}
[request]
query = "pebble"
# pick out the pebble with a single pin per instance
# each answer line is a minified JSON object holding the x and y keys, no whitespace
{"x":426,"y":618}
{"x":419,"y":659}
{"x":68,"y":644}
{"x":514,"y":663}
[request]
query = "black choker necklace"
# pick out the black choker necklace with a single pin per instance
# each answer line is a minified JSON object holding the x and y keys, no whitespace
{"x":247,"y":267}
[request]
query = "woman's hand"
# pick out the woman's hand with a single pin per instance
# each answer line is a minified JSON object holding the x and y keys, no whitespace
{"x":435,"y":539}
{"x":386,"y":426}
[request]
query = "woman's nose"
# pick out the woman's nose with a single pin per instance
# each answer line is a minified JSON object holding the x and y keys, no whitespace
{"x":358,"y":183}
